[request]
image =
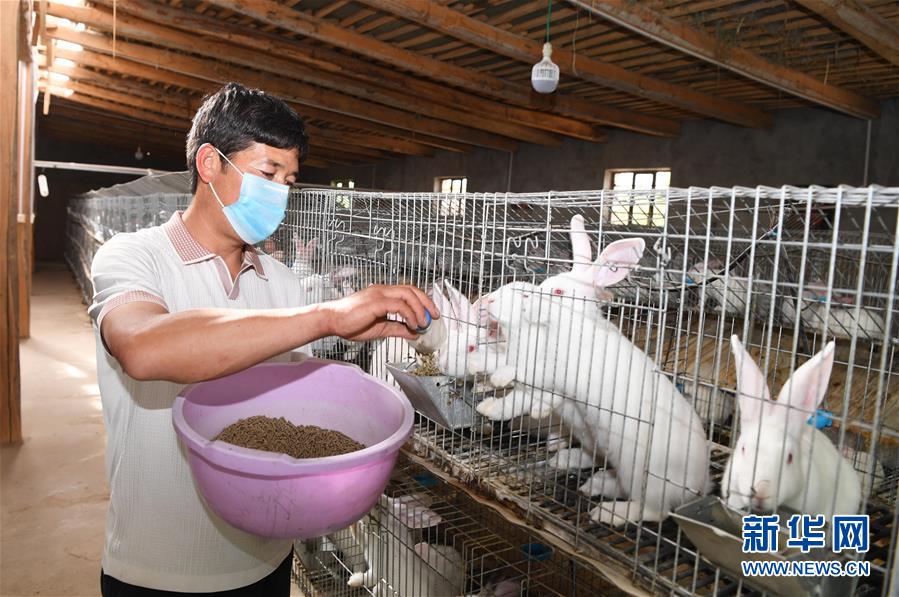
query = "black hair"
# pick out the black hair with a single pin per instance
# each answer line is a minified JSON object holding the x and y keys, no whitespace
{"x":234,"y":117}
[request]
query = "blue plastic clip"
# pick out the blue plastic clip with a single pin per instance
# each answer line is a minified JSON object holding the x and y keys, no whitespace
{"x":425,"y":329}
{"x":426,"y":480}
{"x":821,"y":419}
{"x":537,"y":551}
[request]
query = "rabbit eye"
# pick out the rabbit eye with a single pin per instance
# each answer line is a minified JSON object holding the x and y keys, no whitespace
{"x":471,"y":348}
{"x":558,"y":292}
{"x":789,"y":458}
{"x":742,"y":449}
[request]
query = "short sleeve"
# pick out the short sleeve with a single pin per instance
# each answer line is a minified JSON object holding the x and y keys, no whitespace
{"x":123,"y":271}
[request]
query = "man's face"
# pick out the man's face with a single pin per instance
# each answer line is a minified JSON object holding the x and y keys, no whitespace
{"x":279,"y":165}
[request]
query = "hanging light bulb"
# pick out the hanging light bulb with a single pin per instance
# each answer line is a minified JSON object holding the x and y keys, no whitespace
{"x":138,"y":155}
{"x":545,"y":74}
{"x":42,"y":186}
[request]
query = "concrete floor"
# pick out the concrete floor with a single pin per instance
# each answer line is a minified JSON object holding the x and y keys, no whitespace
{"x":53,"y":492}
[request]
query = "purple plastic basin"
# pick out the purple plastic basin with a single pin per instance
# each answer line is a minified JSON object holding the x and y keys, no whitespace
{"x":275,"y":495}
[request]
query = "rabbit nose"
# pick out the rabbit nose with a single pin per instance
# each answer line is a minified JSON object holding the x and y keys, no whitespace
{"x":759,"y":491}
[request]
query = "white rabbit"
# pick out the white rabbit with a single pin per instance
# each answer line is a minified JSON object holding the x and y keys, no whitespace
{"x":779,"y":459}
{"x":302,"y":263}
{"x":450,"y":567}
{"x":501,"y":587}
{"x":464,"y":336}
{"x":405,"y":568}
{"x":327,"y":287}
{"x":732,"y":294}
{"x":841,"y":320}
{"x":605,"y":388}
{"x":469,"y":336}
{"x":580,"y":287}
{"x":584,"y":284}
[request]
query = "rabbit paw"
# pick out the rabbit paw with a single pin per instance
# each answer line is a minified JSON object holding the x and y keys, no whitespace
{"x":603,"y":483}
{"x":617,"y":513}
{"x":541,"y":409}
{"x":503,"y":377}
{"x":502,"y":409}
{"x":571,"y":459}
{"x":555,"y":442}
{"x":477,"y":363}
{"x":355,"y":580}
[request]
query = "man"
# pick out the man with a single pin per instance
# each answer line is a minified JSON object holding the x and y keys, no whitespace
{"x":192,"y":300}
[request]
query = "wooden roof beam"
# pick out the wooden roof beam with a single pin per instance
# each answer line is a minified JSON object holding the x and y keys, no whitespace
{"x":515,"y":46}
{"x":270,"y":12}
{"x":517,"y":123}
{"x":112,"y":124}
{"x":128,"y":110}
{"x":361,"y":143}
{"x":678,"y":35}
{"x":861,"y":23}
{"x":426,"y":113}
{"x":79,"y":73}
{"x":152,"y":73}
{"x":286,"y":88}
{"x":171,"y":117}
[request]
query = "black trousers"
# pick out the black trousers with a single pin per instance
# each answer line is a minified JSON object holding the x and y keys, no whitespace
{"x":276,"y":584}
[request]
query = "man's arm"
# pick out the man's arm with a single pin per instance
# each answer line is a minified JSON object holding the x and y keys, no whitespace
{"x":200,"y":344}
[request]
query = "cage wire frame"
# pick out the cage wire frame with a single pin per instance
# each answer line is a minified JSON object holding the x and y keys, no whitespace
{"x":786,"y":269}
{"x":480,"y":550}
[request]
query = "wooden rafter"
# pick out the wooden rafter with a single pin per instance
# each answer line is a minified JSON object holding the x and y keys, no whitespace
{"x":861,"y":23}
{"x":130,"y":86}
{"x":286,"y":88}
{"x":277,"y":63}
{"x":517,"y":123}
{"x":270,"y":12}
{"x":680,"y":36}
{"x":361,"y":143}
{"x":126,"y":107}
{"x":503,"y":42}
{"x":178,"y":106}
{"x":131,"y":68}
{"x":128,"y":110}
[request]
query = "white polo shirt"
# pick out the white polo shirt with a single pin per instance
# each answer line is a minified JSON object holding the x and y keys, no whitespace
{"x":159,"y":533}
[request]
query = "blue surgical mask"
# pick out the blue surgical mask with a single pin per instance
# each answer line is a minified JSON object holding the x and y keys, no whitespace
{"x":259,"y":208}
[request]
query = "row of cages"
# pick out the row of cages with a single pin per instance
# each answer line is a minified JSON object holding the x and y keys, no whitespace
{"x":632,"y":373}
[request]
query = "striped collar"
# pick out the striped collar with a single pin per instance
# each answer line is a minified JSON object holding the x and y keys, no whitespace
{"x":190,"y":251}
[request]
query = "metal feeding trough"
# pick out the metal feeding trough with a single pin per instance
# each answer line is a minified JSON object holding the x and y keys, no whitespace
{"x":436,"y":397}
{"x":717,"y":530}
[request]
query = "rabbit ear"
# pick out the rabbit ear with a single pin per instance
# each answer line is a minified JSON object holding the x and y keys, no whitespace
{"x":806,"y":388}
{"x":444,"y":305}
{"x":581,"y":251}
{"x":751,"y":385}
{"x":461,"y":306}
{"x":617,"y":260}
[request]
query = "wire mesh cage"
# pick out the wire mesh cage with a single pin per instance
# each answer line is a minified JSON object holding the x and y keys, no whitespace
{"x":786,"y":270}
{"x":427,"y":537}
{"x":612,"y":359}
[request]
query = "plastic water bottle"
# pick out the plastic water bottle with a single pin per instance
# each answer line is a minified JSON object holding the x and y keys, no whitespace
{"x":431,"y":337}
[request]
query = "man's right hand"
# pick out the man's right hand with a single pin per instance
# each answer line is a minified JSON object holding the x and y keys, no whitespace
{"x":363,"y":315}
